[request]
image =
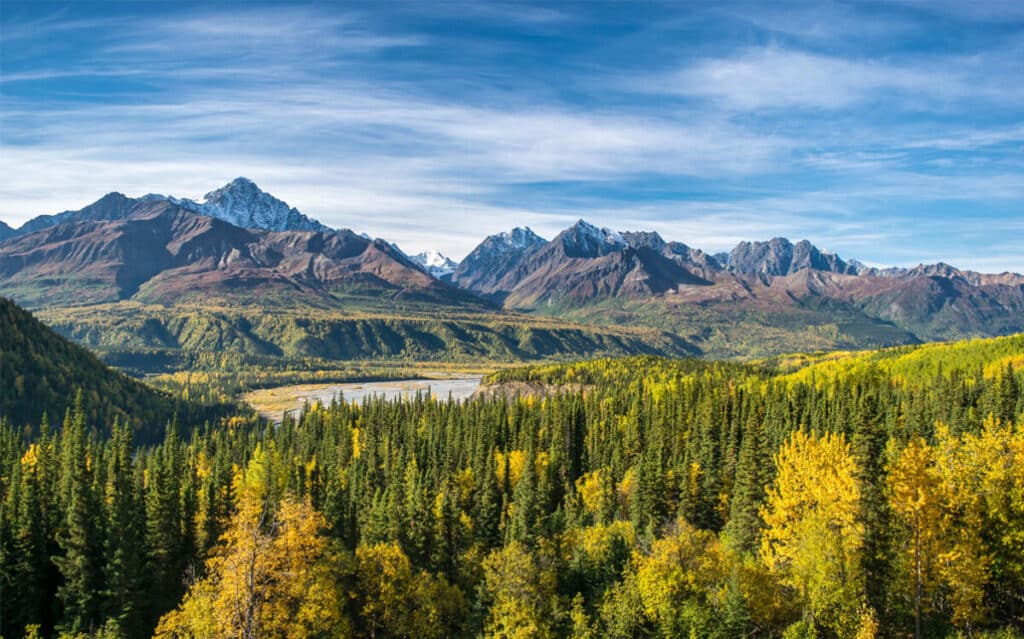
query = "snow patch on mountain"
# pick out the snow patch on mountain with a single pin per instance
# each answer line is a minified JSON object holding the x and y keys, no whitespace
{"x":583,"y":239}
{"x":517,"y":239}
{"x":601,"y":235}
{"x":435,"y":263}
{"x":244,"y":204}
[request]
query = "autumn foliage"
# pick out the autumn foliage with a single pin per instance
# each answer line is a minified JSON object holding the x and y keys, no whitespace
{"x":863,"y":495}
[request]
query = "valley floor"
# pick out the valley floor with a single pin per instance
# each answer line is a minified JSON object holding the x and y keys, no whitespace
{"x":274,"y":403}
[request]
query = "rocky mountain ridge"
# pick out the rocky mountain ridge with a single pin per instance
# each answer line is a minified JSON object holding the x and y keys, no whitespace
{"x":240,"y":202}
{"x":164,"y":253}
{"x":158,"y":249}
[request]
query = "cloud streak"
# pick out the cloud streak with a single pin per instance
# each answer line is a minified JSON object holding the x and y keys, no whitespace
{"x":405,"y":123}
{"x":777,"y":78}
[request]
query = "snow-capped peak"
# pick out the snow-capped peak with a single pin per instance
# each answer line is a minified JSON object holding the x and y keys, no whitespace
{"x":601,"y":235}
{"x":244,"y":204}
{"x":583,"y":239}
{"x":435,"y":263}
{"x":518,"y":238}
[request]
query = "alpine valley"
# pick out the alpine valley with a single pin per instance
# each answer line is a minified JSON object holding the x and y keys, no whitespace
{"x":160,"y":283}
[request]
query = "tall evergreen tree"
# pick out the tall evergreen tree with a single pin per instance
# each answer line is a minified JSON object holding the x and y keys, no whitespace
{"x":868,"y":447}
{"x":523,"y":524}
{"x":79,"y":541}
{"x":125,"y":521}
{"x":753,"y":473}
{"x":164,"y":524}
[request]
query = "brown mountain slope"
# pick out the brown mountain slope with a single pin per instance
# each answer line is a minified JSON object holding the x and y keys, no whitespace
{"x":584,"y":264}
{"x":638,"y":278}
{"x":164,"y":254}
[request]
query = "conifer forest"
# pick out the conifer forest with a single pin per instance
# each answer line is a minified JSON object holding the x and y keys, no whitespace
{"x":843,"y":495}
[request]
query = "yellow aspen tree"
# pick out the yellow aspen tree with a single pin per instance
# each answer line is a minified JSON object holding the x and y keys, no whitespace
{"x":965,"y":560}
{"x":678,"y":581}
{"x":812,"y":538}
{"x":397,"y":600}
{"x":522,"y":593}
{"x":916,"y":500}
{"x":998,"y":453}
{"x":274,"y":574}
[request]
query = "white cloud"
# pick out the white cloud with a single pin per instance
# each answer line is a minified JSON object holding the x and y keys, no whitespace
{"x":774,"y":78}
{"x":771,"y":77}
{"x":316,"y":109}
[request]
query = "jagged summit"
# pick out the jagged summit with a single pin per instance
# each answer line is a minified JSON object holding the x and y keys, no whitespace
{"x":493,"y":258}
{"x":646,"y":239}
{"x":242,"y":203}
{"x":583,"y":239}
{"x":779,"y":256}
{"x":435,"y":263}
{"x":517,"y":239}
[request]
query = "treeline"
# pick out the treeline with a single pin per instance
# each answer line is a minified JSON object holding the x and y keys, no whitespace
{"x":148,"y":339}
{"x":658,"y":499}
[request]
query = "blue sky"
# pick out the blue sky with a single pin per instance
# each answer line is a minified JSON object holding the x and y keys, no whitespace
{"x":889,"y":132}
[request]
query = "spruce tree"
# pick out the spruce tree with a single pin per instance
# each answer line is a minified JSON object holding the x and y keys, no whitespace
{"x":523,"y":524}
{"x":753,"y":472}
{"x":78,"y":538}
{"x":125,"y":520}
{"x":868,"y":447}
{"x":488,"y":507}
{"x":163,"y":525}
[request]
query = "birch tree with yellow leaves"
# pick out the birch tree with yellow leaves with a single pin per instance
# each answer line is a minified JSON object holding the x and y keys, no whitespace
{"x":275,"y":575}
{"x":812,"y":538}
{"x":916,"y":500}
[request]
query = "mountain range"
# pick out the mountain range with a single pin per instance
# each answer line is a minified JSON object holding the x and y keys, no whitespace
{"x":158,"y":249}
{"x":241,"y":247}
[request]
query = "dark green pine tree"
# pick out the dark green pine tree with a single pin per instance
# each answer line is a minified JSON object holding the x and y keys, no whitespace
{"x":125,"y":549}
{"x":448,"y":540}
{"x":395,"y":496}
{"x":648,"y":509}
{"x":707,"y":456}
{"x":376,"y":524}
{"x":488,"y":507}
{"x":79,"y":563}
{"x":20,"y":603}
{"x":753,"y":472}
{"x":163,"y":526}
{"x":1006,"y":395}
{"x":523,"y":524}
{"x":189,"y":506}
{"x":868,"y":444}
{"x":48,"y":482}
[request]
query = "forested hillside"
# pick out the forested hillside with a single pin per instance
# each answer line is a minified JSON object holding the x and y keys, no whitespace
{"x":41,"y":372}
{"x":158,"y":339}
{"x":874,"y":495}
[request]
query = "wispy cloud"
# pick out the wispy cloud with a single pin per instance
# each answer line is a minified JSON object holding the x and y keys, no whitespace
{"x":777,"y":78}
{"x":405,"y":122}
